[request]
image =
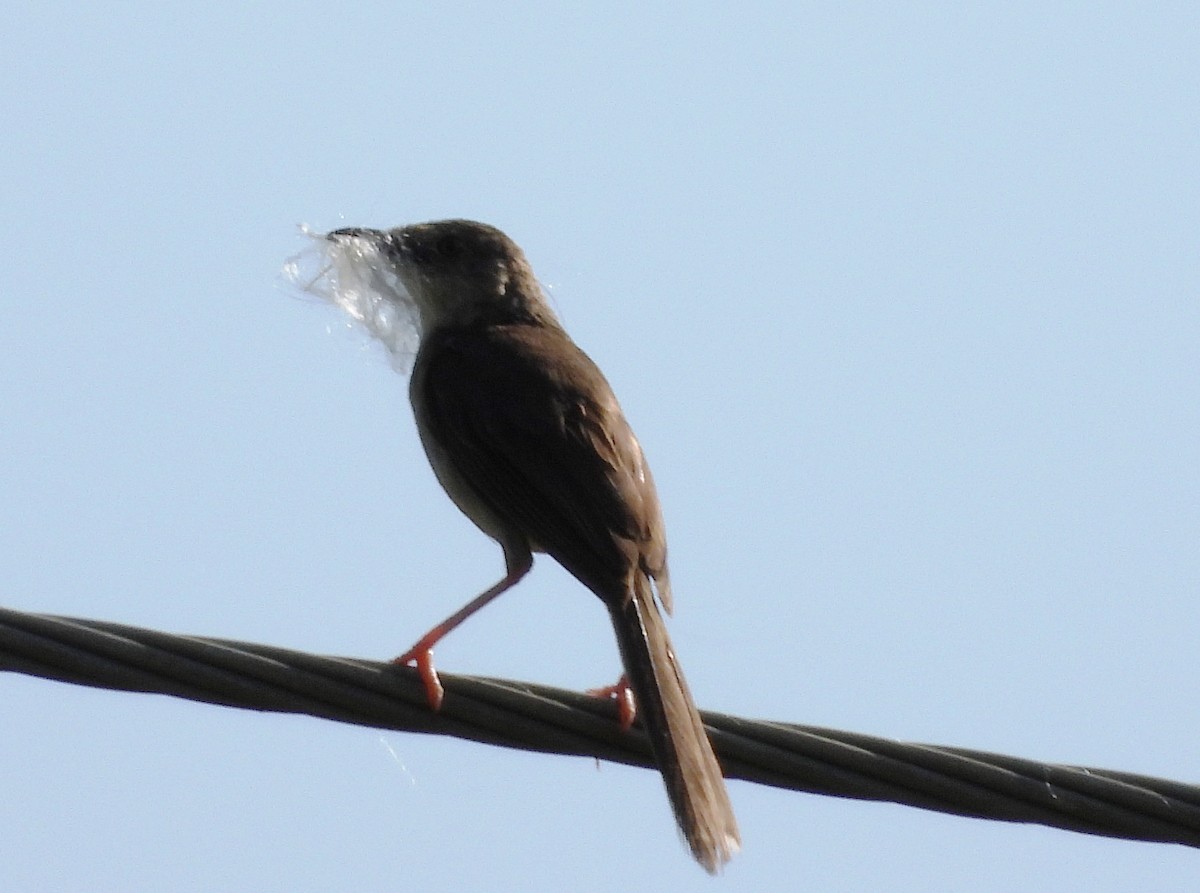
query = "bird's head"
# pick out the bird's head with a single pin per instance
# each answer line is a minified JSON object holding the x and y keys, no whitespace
{"x":458,"y":272}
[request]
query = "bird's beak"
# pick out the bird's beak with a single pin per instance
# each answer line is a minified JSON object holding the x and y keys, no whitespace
{"x":354,"y":232}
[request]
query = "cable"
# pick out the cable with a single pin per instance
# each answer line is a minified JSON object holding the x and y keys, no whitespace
{"x":539,"y":718}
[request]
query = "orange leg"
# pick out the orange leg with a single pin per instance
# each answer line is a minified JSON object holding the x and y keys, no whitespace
{"x":623,"y":695}
{"x":518,"y":561}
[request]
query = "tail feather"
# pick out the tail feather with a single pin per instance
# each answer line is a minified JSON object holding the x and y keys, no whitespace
{"x":689,"y":768}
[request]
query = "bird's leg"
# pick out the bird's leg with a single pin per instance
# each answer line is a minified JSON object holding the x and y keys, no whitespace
{"x":518,"y":560}
{"x":623,"y":695}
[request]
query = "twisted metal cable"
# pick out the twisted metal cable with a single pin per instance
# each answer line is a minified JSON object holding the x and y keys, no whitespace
{"x":534,"y":717}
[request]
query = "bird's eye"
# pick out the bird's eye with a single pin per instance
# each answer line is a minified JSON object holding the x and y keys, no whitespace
{"x":430,"y":248}
{"x":446,"y":246}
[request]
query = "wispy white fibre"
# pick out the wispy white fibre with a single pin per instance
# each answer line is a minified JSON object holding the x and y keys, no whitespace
{"x":351,"y":274}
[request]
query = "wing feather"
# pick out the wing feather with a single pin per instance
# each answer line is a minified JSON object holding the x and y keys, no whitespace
{"x":534,"y":429}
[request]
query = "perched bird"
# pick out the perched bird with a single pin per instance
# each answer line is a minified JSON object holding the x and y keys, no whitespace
{"x":526,"y":437}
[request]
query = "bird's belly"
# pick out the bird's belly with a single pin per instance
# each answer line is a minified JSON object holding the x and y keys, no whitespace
{"x":463,"y":495}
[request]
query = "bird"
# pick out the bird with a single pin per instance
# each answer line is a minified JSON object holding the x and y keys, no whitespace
{"x":526,"y":436}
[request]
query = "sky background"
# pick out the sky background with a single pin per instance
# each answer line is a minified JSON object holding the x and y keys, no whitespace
{"x":900,"y":298}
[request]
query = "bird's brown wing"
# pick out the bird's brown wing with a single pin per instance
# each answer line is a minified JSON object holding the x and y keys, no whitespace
{"x":533,"y":427}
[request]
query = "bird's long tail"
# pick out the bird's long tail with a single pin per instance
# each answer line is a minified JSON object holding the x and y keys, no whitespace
{"x":689,"y":768}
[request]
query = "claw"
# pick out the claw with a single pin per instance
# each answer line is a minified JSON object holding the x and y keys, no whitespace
{"x":623,"y":695}
{"x":422,"y":655}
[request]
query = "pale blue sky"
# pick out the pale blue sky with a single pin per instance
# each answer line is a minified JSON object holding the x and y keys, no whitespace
{"x":900,"y":298}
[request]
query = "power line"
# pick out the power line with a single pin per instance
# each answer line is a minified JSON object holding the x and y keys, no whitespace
{"x":550,"y":720}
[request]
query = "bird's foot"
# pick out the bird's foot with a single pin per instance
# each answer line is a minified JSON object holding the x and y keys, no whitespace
{"x":421,"y":654}
{"x":623,"y":695}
